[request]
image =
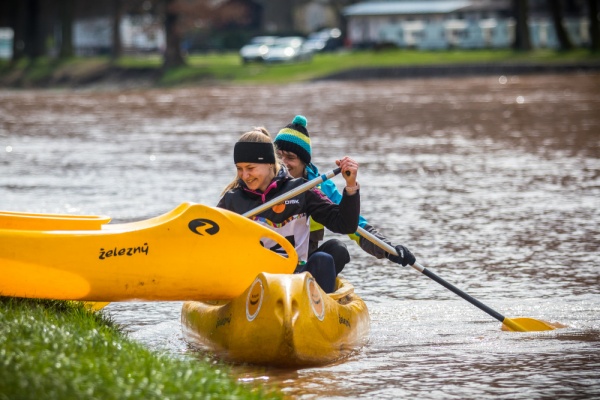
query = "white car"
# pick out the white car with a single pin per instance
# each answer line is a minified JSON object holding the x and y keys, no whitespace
{"x":288,"y":49}
{"x":257,"y":49}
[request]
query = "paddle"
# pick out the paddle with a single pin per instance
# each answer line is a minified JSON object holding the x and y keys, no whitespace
{"x":515,"y":324}
{"x":95,"y":306}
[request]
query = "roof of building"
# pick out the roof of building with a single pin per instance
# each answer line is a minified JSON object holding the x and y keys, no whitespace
{"x":405,"y":7}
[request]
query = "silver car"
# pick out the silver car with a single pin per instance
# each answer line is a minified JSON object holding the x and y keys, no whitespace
{"x":257,"y":48}
{"x":288,"y":49}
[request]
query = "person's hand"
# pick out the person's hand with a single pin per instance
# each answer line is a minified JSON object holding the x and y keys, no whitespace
{"x":404,"y":257}
{"x":349,"y":169}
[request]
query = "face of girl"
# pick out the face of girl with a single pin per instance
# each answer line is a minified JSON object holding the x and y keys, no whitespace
{"x":255,"y":176}
{"x":294,"y":165}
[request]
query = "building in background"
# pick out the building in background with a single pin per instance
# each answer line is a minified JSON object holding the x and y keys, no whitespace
{"x":139,"y":34}
{"x":6,"y":43}
{"x":467,"y":24}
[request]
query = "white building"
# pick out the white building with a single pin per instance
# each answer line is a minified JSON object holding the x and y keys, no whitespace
{"x":6,"y":43}
{"x":432,"y":25}
{"x":138,"y":34}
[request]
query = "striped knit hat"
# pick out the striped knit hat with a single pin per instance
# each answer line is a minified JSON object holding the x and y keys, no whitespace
{"x":294,"y":138}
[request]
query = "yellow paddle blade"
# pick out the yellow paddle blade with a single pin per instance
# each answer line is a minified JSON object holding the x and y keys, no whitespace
{"x":528,"y":325}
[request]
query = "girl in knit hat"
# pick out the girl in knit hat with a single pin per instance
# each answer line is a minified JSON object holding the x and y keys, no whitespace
{"x":261,"y":177}
{"x":294,"y":148}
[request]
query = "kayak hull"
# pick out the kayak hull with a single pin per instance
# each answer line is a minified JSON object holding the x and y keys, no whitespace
{"x":280,"y":320}
{"x":192,"y":252}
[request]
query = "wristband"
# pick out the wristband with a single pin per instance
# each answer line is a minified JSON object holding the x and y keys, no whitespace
{"x":352,"y":189}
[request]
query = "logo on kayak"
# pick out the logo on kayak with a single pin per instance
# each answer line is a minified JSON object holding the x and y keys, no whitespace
{"x":224,"y":321}
{"x":254,"y":299}
{"x":203,"y":226}
{"x":124,"y":251}
{"x":344,"y":321}
{"x":315,"y":298}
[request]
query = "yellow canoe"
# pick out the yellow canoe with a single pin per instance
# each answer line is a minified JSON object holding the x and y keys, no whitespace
{"x":193,"y":252}
{"x":281,"y":320}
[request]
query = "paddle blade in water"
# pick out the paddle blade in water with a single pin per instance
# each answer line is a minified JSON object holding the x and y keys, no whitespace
{"x":528,"y":325}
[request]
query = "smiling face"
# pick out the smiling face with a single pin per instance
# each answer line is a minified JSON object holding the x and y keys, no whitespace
{"x":256,"y":176}
{"x":294,"y":165}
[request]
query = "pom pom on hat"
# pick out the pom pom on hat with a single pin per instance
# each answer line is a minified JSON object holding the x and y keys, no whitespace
{"x":294,"y":138}
{"x":300,"y":120}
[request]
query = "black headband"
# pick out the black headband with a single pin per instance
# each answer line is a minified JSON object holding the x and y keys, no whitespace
{"x":254,"y":152}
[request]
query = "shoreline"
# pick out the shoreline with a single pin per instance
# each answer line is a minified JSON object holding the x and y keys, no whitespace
{"x":62,"y":350}
{"x":461,"y":70}
{"x":109,"y":76}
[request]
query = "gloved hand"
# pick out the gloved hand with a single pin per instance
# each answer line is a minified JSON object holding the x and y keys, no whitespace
{"x":404,"y":257}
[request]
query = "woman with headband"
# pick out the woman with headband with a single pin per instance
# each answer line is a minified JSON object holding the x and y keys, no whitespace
{"x":261,"y":176}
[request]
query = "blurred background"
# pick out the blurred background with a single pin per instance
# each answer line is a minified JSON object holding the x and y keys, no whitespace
{"x":176,"y":28}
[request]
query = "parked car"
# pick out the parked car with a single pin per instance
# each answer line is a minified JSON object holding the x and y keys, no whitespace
{"x":325,"y":40}
{"x":288,"y":49}
{"x":256,"y":49}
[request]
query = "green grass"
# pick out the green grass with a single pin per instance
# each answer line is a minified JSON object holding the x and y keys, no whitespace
{"x":227,"y":67}
{"x":59,"y":350}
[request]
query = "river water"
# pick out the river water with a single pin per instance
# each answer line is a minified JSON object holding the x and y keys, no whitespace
{"x":493,"y":183}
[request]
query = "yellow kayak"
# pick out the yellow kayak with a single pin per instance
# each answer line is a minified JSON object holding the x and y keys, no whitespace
{"x":63,"y":222}
{"x":281,"y":320}
{"x":193,"y":252}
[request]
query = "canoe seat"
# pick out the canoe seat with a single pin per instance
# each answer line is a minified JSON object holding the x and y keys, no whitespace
{"x":344,"y":292}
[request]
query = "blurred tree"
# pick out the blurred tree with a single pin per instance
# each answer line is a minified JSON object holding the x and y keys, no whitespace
{"x":47,"y":26}
{"x":33,"y":38}
{"x":521,"y":13}
{"x":183,"y":16}
{"x":594,"y":25}
{"x":117,"y":44}
{"x":17,"y":21}
{"x":66,"y":11}
{"x":173,"y":56}
{"x":557,"y":18}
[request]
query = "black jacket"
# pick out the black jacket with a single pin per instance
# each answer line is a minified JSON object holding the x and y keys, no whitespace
{"x":291,"y":219}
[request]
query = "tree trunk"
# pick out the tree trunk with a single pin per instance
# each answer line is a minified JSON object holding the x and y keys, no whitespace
{"x":172,"y":57}
{"x":33,"y":37}
{"x":66,"y":10}
{"x":557,"y":18}
{"x":594,"y":25}
{"x":117,"y":45}
{"x":521,"y":12}
{"x":18,"y":10}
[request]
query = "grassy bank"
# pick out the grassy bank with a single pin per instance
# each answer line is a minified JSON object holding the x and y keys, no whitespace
{"x":59,"y":350}
{"x":228,"y":67}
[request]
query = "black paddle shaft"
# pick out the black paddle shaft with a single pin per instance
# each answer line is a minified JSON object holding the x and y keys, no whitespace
{"x":462,"y":294}
{"x":390,"y":249}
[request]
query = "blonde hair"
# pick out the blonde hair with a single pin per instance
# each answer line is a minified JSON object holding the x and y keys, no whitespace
{"x":256,"y":135}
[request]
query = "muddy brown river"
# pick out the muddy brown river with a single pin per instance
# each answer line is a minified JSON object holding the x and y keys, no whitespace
{"x":492,"y":182}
